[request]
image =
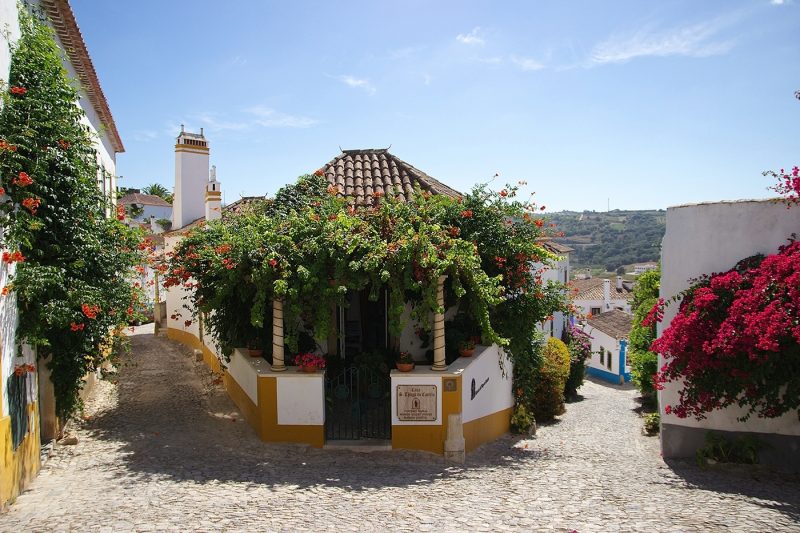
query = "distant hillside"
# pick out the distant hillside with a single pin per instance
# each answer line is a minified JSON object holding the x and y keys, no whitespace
{"x":611,"y":239}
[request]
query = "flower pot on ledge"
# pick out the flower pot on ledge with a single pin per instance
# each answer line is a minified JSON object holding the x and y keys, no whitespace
{"x":255,"y":352}
{"x":466,"y":352}
{"x":308,"y":369}
{"x":405,"y":367}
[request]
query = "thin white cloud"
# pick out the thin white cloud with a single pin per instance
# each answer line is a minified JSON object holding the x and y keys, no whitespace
{"x":357,"y":83}
{"x":526,"y":63}
{"x":493,"y":60}
{"x":426,"y":79}
{"x":145,"y":135}
{"x":270,"y":118}
{"x":698,"y":40}
{"x":212,"y":122}
{"x":778,"y":2}
{"x":405,"y":53}
{"x":472,"y":37}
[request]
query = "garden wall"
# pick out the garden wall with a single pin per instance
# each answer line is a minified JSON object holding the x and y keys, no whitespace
{"x":703,"y":239}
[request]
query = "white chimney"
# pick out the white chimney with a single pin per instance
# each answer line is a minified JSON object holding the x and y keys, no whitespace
{"x":213,"y":196}
{"x":191,"y":176}
{"x":606,"y":294}
{"x":619,"y":283}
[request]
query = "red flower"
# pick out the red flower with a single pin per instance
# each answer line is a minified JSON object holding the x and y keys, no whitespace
{"x":504,"y":193}
{"x":2,"y":191}
{"x":63,"y":144}
{"x":120,"y":212}
{"x":273,"y":263}
{"x":77,"y":327}
{"x":319,"y":172}
{"x":23,"y":180}
{"x":187,"y":323}
{"x":90,"y":311}
{"x":223,"y":249}
{"x":13,"y":257}
{"x":539,"y":222}
{"x":18,"y":90}
{"x":31,"y":204}
{"x":467,"y":213}
{"x":5,"y":290}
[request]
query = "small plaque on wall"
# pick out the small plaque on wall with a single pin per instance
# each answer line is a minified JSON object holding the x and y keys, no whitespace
{"x":450,"y":384}
{"x":416,"y":403}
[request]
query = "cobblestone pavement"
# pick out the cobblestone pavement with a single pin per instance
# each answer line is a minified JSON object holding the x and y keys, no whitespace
{"x":165,"y":450}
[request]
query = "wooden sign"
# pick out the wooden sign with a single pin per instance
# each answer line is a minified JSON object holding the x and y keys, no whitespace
{"x":416,"y":403}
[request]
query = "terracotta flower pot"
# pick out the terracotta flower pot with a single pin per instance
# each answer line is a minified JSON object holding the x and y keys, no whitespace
{"x":255,"y":352}
{"x":308,"y":369}
{"x":405,"y":367}
{"x":463,"y":352}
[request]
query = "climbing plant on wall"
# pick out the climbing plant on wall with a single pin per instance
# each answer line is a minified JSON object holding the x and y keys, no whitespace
{"x":308,"y":247}
{"x":72,"y":263}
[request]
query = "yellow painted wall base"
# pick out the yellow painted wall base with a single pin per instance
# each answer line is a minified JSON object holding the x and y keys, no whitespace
{"x":263,"y":418}
{"x":486,"y":429}
{"x":18,"y":468}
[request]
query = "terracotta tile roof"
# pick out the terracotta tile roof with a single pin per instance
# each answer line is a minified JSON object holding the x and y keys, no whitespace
{"x":358,"y":174}
{"x":555,"y":247}
{"x":592,"y":289}
{"x":63,"y":21}
{"x":143,"y":199}
{"x":236,"y":208}
{"x":615,"y":323}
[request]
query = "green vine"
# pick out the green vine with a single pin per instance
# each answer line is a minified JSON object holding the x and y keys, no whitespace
{"x":70,"y":264}
{"x":308,"y":247}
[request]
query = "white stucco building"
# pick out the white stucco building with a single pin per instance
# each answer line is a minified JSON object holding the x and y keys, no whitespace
{"x":609,"y":337}
{"x":703,"y":239}
{"x":17,"y":468}
{"x":593,"y":296}
{"x":558,"y":273}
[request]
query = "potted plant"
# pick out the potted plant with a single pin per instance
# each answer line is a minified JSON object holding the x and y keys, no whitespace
{"x":309,"y":362}
{"x":466,"y":348}
{"x":405,"y":363}
{"x":254,"y":348}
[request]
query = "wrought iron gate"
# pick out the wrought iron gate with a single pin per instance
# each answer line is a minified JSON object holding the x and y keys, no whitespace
{"x":358,"y":405}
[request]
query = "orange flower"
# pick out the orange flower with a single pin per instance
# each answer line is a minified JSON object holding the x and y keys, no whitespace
{"x":120,"y":212}
{"x":319,"y":172}
{"x":31,"y":204}
{"x":539,"y":222}
{"x":23,"y":180}
{"x":19,"y":90}
{"x":467,"y":213}
{"x":5,"y":290}
{"x":90,"y":311}
{"x":63,"y":144}
{"x":76,"y":327}
{"x":504,"y":193}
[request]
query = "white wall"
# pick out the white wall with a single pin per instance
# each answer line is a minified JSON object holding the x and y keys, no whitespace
{"x":191,"y":177}
{"x":301,"y":399}
{"x":607,"y":342}
{"x":713,"y":237}
{"x":559,"y":272}
{"x":492,"y":384}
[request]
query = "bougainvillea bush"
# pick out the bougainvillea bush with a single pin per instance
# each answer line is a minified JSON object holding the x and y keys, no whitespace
{"x":71,"y":262}
{"x":736,"y":339}
{"x":788,"y":184}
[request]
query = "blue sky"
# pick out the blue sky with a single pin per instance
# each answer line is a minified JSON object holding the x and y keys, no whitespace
{"x":648,"y":104}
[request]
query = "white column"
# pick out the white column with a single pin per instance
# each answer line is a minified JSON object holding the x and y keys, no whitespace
{"x":277,"y":336}
{"x":438,"y":328}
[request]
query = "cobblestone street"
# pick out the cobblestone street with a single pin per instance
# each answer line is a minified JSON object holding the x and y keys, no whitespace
{"x":165,"y":450}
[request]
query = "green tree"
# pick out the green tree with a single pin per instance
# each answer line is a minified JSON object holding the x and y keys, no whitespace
{"x":156,"y":189}
{"x":644,"y":363}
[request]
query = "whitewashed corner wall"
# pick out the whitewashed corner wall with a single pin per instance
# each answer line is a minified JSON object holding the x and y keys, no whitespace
{"x":703,"y":239}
